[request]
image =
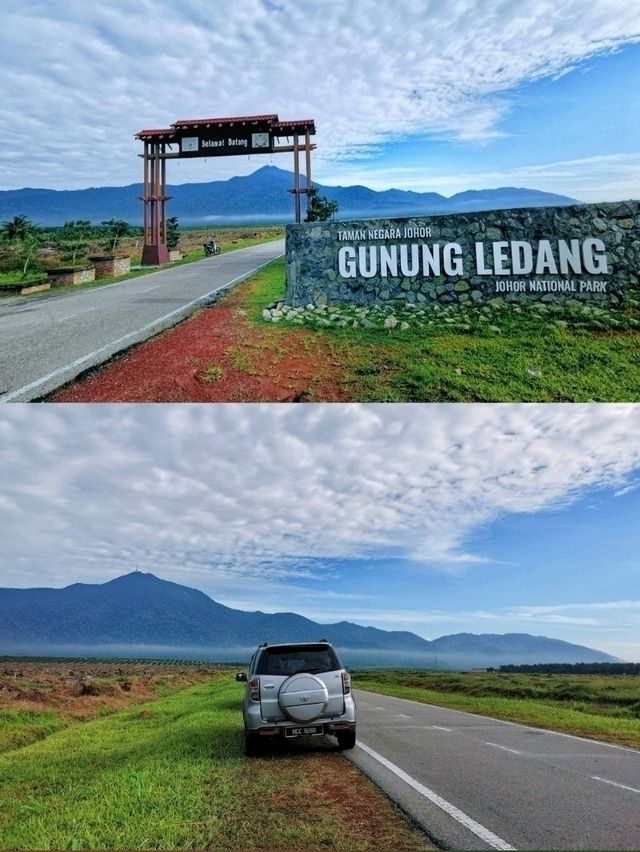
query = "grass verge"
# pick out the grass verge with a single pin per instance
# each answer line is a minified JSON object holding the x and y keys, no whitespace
{"x":602,"y":708}
{"x":172,"y":774}
{"x":469,"y":354}
{"x":23,"y":727}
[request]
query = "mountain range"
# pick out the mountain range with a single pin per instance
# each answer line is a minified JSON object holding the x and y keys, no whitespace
{"x":259,"y":197}
{"x":139,"y":612}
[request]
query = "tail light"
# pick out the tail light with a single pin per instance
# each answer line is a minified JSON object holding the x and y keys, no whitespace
{"x":254,"y":687}
{"x":346,"y":683}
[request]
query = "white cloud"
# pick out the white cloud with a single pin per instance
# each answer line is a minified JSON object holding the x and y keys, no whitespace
{"x":242,"y":501}
{"x":534,"y":611}
{"x":79,"y":79}
{"x":629,"y":651}
{"x":606,"y":620}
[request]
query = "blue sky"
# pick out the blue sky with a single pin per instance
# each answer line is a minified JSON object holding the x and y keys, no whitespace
{"x":432,"y":518}
{"x":572,"y":133}
{"x":416,"y":94}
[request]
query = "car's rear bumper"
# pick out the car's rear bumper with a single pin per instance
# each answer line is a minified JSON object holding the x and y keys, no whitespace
{"x":254,"y":723}
{"x":289,"y":731}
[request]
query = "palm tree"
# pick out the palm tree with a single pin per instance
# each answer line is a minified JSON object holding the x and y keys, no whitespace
{"x":29,"y":245}
{"x":17,"y":229}
{"x":74,"y":237}
{"x":114,"y":231}
{"x":25,"y":238}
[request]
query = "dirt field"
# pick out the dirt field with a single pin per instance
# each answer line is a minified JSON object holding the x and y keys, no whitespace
{"x":78,"y":691}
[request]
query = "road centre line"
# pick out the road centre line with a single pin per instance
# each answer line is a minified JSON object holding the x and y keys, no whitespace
{"x":615,"y":784}
{"x":8,"y":397}
{"x":474,"y":827}
{"x":504,"y":748}
{"x":440,"y":728}
{"x":406,"y":726}
{"x":149,"y":289}
{"x":78,"y":313}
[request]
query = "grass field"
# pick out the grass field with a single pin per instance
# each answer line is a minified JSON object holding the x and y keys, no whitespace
{"x":171,"y":773}
{"x":461,"y":354}
{"x":594,"y":706}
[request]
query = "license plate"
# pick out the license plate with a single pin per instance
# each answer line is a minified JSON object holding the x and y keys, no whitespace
{"x":307,"y":731}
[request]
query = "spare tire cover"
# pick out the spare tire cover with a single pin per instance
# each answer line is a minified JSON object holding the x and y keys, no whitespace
{"x":303,"y":697}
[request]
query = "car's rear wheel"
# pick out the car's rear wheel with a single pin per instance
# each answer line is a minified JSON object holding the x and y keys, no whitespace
{"x":346,"y":739}
{"x":252,"y":745}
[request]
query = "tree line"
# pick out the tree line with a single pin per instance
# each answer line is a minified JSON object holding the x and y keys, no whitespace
{"x":574,"y":668}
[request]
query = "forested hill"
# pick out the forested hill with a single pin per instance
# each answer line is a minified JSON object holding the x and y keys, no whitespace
{"x":260,"y":196}
{"x":141,"y":610}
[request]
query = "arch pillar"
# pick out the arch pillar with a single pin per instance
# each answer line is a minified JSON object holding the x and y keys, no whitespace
{"x":154,"y":198}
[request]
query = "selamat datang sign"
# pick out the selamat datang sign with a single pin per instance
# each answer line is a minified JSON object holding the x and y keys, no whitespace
{"x":559,"y":254}
{"x":225,"y":144}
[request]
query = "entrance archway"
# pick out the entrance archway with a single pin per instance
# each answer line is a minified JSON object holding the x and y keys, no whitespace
{"x":214,"y":137}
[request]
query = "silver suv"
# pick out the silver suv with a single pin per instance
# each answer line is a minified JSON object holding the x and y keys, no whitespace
{"x":297,"y":690}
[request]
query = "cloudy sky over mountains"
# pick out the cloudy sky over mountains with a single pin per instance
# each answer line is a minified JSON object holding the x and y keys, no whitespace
{"x":436,"y":519}
{"x":417,"y":94}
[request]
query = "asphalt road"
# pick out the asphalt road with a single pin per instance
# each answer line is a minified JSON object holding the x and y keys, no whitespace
{"x":477,"y":783}
{"x":46,"y":341}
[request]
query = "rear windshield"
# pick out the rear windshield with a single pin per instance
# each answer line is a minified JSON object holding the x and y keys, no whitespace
{"x":290,"y":661}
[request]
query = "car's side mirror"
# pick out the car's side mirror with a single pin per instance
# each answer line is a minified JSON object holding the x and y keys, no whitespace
{"x":241,"y":676}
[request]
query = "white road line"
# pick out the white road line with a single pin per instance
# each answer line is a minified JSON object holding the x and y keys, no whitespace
{"x":402,"y":716}
{"x":149,"y":289}
{"x":440,"y":728}
{"x":479,"y":830}
{"x":8,"y":397}
{"x":504,"y":748}
{"x":615,"y":784}
{"x":78,"y":313}
{"x":406,"y":726}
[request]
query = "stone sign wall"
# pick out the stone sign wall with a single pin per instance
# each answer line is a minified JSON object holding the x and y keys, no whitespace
{"x":582,"y":253}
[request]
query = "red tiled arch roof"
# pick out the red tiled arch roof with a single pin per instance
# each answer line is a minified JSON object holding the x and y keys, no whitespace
{"x":279,"y":128}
